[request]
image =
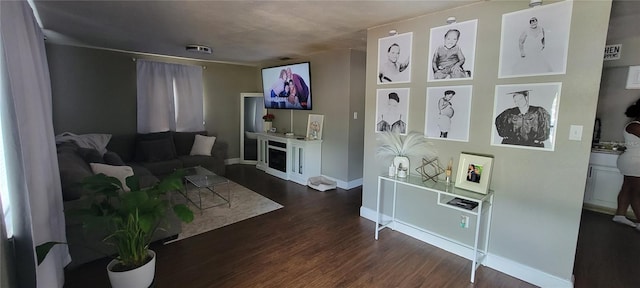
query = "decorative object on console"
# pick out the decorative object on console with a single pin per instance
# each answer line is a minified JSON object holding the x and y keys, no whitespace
{"x":430,"y":170}
{"x":393,"y":144}
{"x":268,"y":118}
{"x":474,"y":172}
{"x":314,"y":126}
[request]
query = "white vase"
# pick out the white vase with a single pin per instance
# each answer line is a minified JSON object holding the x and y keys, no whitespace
{"x":140,"y":277}
{"x":267,"y":126}
{"x":402,"y":164}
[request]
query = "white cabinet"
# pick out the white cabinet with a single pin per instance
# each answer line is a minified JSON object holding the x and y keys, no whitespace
{"x":603,"y":181}
{"x":290,"y":158}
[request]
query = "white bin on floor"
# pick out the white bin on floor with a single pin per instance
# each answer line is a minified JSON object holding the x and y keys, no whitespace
{"x":321,"y":184}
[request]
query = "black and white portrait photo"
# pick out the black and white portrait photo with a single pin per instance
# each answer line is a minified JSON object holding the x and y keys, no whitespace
{"x":452,"y":50}
{"x":448,"y":113}
{"x":392,"y":109}
{"x":535,"y":41}
{"x":394,"y":58}
{"x":525,"y":115}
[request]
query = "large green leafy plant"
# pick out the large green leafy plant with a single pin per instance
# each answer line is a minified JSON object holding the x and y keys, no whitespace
{"x":131,"y":217}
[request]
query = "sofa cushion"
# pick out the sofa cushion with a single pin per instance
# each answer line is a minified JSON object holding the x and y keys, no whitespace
{"x":184,"y":141}
{"x":141,"y":146}
{"x":120,"y":172}
{"x":162,"y":168}
{"x":157,"y":150}
{"x":73,"y":169}
{"x":112,"y":158}
{"x":90,"y":155}
{"x":202,"y":145}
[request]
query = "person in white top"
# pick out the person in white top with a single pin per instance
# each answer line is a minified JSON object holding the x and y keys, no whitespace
{"x":629,"y":166}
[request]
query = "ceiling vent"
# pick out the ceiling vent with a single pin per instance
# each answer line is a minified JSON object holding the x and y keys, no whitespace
{"x":199,"y":49}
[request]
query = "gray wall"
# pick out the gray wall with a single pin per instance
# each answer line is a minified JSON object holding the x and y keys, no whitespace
{"x":337,"y":79}
{"x":94,"y":91}
{"x":538,"y":194}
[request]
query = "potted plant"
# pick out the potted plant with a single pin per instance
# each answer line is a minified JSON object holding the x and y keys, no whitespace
{"x":131,"y":218}
{"x":393,"y":145}
{"x":268,"y":118}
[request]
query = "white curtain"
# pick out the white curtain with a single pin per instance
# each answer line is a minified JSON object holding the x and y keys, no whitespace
{"x":31,"y":163}
{"x":169,"y":97}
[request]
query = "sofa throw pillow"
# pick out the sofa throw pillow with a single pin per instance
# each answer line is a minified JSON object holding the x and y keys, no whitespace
{"x":184,"y":141}
{"x":202,"y":145}
{"x":112,"y":158}
{"x":120,"y":172}
{"x":90,"y":155}
{"x":157,"y":150}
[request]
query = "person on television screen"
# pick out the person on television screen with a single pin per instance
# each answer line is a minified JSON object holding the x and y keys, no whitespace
{"x":279,"y":89}
{"x":448,"y":58}
{"x":524,"y":124}
{"x":391,"y":69}
{"x":298,"y":93}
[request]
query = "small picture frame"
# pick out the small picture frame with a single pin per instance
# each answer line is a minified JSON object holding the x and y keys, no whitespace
{"x":474,"y":172}
{"x":314,"y":127}
{"x":633,"y":78}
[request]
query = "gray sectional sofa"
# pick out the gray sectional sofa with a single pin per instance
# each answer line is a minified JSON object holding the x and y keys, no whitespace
{"x":152,"y":156}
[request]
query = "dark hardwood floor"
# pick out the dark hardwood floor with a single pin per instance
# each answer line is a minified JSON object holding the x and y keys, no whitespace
{"x":319,"y":240}
{"x":608,"y":254}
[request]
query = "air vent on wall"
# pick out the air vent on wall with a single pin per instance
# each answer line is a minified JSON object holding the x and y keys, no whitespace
{"x":199,"y":48}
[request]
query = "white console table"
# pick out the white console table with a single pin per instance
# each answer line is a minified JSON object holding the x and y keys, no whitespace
{"x":445,"y":192}
{"x":293,"y":158}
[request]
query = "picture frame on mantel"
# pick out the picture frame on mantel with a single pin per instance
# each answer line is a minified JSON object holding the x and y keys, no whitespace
{"x":474,"y":172}
{"x":314,"y":126}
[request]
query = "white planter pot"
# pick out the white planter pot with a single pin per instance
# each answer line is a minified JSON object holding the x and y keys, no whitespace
{"x":141,"y":277}
{"x":267,"y":126}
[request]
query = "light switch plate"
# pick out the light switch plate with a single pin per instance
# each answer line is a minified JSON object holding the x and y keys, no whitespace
{"x":575,"y":133}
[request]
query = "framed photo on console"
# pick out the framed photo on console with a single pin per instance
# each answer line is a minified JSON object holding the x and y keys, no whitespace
{"x":474,"y":172}
{"x":314,"y":126}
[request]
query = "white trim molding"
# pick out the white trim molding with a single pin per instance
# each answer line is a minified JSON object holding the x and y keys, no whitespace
{"x":231,"y":161}
{"x":344,"y":184}
{"x":504,"y":265}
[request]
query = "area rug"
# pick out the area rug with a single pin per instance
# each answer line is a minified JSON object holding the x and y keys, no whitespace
{"x":244,"y":205}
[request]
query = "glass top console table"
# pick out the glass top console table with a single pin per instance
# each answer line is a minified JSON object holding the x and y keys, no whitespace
{"x":446,"y":192}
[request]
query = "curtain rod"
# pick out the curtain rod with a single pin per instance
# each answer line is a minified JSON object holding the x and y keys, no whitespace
{"x":203,"y":66}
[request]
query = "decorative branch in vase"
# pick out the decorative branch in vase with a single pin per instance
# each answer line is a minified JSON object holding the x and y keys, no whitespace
{"x":401,"y":149}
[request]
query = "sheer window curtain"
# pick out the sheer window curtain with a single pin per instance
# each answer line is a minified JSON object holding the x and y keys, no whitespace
{"x":170,"y":97}
{"x":33,"y":179}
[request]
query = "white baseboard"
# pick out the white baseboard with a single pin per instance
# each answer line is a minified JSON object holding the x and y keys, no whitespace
{"x":344,"y":184}
{"x":232,"y":161}
{"x":504,"y":265}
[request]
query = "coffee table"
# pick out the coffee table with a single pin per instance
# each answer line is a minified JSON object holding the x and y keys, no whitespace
{"x":205,"y":180}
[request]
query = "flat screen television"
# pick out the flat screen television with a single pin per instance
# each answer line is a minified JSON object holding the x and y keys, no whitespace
{"x":287,"y":87}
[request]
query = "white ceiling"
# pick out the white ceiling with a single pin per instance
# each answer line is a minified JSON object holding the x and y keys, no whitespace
{"x":246,"y":32}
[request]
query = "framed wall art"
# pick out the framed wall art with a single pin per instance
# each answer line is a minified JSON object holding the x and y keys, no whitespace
{"x":314,"y":126}
{"x":394,"y":59}
{"x":526,"y":115}
{"x":452,"y":50}
{"x":474,"y":172}
{"x":448,"y":113}
{"x":633,"y":78}
{"x":392,"y":110}
{"x":535,"y":41}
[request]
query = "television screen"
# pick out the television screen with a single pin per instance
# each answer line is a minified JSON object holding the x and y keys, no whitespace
{"x":287,"y":87}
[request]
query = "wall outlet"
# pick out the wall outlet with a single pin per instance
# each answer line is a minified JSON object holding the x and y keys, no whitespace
{"x":464,"y":221}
